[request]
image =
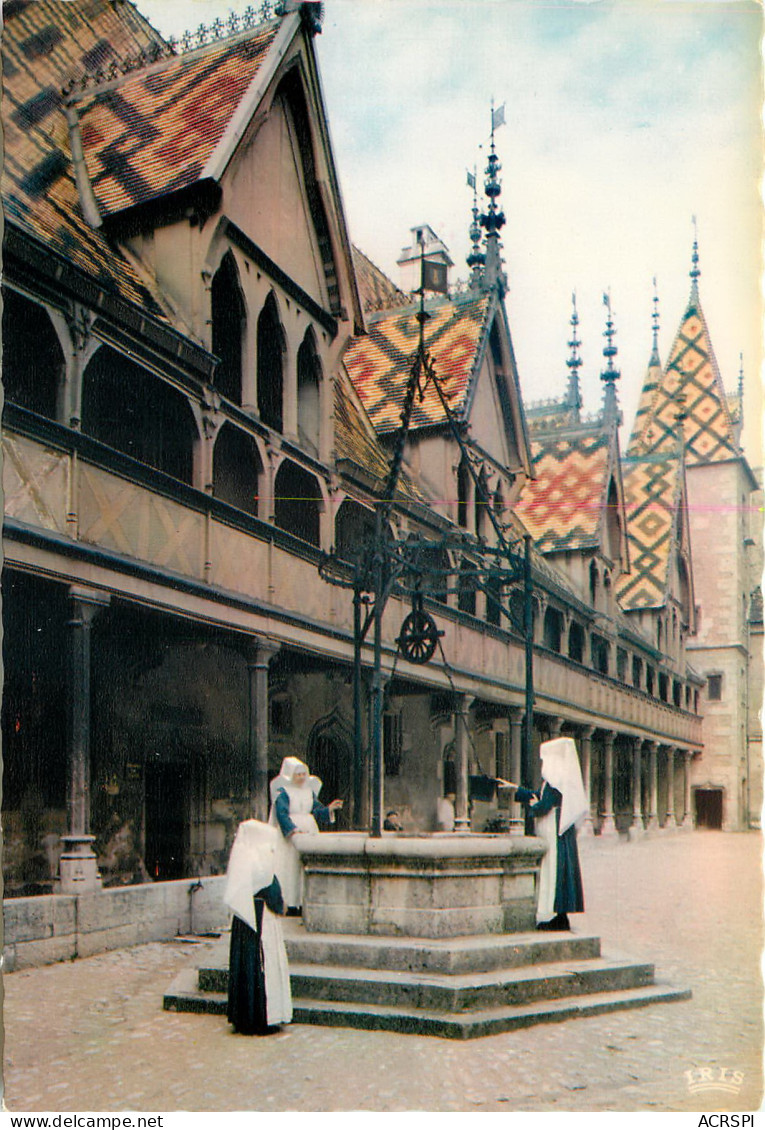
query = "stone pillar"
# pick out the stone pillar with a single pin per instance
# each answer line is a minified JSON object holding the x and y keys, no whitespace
{"x":636,"y":828}
{"x":608,"y":827}
{"x":586,"y":743}
{"x":462,"y":746}
{"x":670,"y":821}
{"x":78,"y":869}
{"x":653,"y":788}
{"x":259,"y":655}
{"x":687,"y":821}
{"x":554,"y":726}
{"x":514,"y":770}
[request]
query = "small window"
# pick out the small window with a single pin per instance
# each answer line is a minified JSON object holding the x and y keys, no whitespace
{"x":714,"y":688}
{"x":621,"y":664}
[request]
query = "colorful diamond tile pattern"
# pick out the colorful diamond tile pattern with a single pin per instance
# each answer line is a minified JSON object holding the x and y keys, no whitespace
{"x":152,"y":132}
{"x":693,"y":374}
{"x":380,"y":362}
{"x":562,"y":506}
{"x":651,"y":492}
{"x":47,"y":43}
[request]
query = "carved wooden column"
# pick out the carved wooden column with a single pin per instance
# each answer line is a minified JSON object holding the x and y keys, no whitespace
{"x":636,"y":828}
{"x":653,"y":787}
{"x":608,"y":827}
{"x":586,"y":745}
{"x":78,"y":869}
{"x":462,"y":746}
{"x":259,"y":655}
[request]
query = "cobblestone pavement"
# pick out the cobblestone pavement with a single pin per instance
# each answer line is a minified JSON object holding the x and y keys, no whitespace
{"x":91,"y":1034}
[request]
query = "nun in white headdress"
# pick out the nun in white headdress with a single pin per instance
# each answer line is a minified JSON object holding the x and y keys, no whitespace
{"x":259,"y":995}
{"x":558,"y":808}
{"x":295,"y":807}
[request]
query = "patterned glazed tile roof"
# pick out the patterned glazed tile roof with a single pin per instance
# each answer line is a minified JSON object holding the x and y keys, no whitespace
{"x":379,"y":363}
{"x":652,"y":488}
{"x":355,"y":438}
{"x":563,"y":505}
{"x":378,"y":292}
{"x":692,"y":373}
{"x":45,"y":44}
{"x":152,"y":131}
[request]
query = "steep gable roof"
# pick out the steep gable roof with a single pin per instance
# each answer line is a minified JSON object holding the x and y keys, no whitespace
{"x":654,"y":489}
{"x":45,"y":45}
{"x":153,"y":132}
{"x":377,"y":291}
{"x":692,"y":374}
{"x":563,"y":505}
{"x":379,"y":363}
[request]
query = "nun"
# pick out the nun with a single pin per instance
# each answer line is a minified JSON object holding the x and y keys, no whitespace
{"x":558,"y":808}
{"x":259,"y":997}
{"x":295,"y":807}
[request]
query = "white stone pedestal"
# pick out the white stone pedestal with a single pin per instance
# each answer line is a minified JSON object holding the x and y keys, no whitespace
{"x":78,"y":868}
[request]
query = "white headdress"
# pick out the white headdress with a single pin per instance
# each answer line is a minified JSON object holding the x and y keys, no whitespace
{"x":291,"y":766}
{"x":560,"y":768}
{"x":251,"y":867}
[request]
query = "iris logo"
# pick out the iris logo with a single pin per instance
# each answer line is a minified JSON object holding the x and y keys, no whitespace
{"x":714,"y":1079}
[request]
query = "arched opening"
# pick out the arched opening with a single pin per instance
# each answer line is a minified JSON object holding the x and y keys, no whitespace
{"x":481,"y":503}
{"x":33,"y":360}
{"x":494,"y":591}
{"x":297,"y":502}
{"x":229,"y":315}
{"x":684,"y":582}
{"x":330,"y":755}
{"x":613,"y":525}
{"x":463,"y":488}
{"x":593,"y":582}
{"x":135,"y":412}
{"x":236,"y":469}
{"x":499,"y":503}
{"x":436,"y":567}
{"x":467,"y":586}
{"x":551,"y":629}
{"x":600,"y":649}
{"x":308,"y":399}
{"x":354,"y":530}
{"x":576,"y":642}
{"x":270,"y":346}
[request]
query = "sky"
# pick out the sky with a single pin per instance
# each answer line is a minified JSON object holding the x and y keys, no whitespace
{"x":624,"y":120}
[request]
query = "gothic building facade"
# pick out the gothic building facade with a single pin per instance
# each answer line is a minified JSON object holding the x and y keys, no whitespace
{"x":204,"y":383}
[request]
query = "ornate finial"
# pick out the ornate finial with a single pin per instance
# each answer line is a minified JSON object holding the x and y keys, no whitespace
{"x":610,"y":374}
{"x":476,"y":259}
{"x":574,"y":396}
{"x":655,"y":319}
{"x":493,"y":218}
{"x":695,"y":272}
{"x":740,"y":420}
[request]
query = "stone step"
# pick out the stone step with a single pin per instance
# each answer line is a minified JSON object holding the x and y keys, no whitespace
{"x":184,"y":996}
{"x":457,"y":993}
{"x":451,"y":991}
{"x":470,"y":954}
{"x":483,"y":1022}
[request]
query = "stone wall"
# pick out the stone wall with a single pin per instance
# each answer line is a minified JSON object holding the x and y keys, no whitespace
{"x":48,"y":928}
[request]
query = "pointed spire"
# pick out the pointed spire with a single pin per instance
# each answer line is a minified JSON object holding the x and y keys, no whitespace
{"x":493,"y":218}
{"x":573,"y":394}
{"x":655,"y":359}
{"x":476,"y":259}
{"x":695,"y":271}
{"x":610,"y":375}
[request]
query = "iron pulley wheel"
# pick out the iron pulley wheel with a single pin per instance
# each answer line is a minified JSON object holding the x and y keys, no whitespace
{"x":419,"y":636}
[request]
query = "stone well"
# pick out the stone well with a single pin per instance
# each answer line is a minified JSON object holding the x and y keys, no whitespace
{"x":431,"y":886}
